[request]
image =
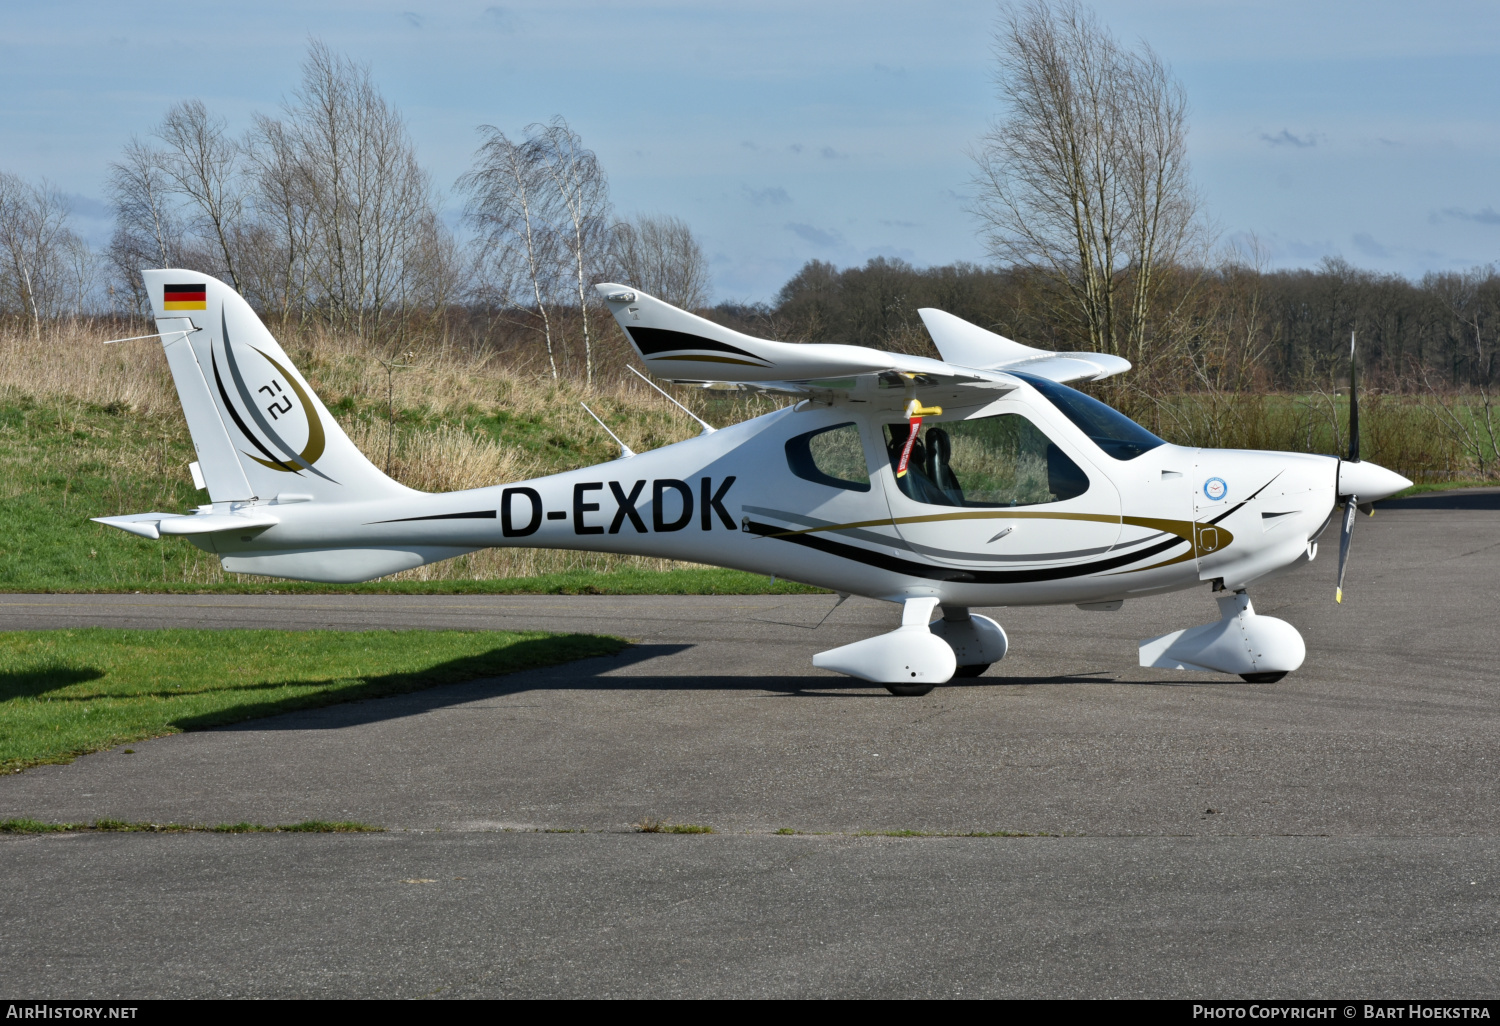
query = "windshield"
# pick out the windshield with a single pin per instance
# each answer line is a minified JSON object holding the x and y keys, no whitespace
{"x":1108,"y":428}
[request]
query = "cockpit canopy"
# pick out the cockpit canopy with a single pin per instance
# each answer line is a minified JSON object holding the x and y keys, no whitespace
{"x":1120,"y":437}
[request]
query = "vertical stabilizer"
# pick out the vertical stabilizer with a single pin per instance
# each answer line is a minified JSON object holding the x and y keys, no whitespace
{"x":257,"y":426}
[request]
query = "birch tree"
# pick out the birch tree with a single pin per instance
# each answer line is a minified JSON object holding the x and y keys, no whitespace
{"x":512,"y":209}
{"x":580,"y":194}
{"x":38,"y":253}
{"x":1084,"y":177}
{"x":278,"y":254}
{"x":365,"y":197}
{"x":148,"y":231}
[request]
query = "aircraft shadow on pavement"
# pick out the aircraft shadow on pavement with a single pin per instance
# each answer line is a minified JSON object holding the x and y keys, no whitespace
{"x":598,"y":675}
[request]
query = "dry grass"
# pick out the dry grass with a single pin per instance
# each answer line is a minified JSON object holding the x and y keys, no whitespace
{"x":435,"y":397}
{"x":68,"y":361}
{"x":451,"y":419}
{"x":457,"y":417}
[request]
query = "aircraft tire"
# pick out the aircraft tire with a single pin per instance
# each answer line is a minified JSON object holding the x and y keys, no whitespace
{"x":909,"y":690}
{"x":972,"y":670}
{"x":1263,"y":678}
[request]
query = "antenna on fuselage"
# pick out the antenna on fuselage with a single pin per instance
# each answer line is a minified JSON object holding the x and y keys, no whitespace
{"x":625,"y":451}
{"x":708,"y":428}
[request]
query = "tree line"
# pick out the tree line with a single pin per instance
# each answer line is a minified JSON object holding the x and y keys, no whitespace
{"x":1245,"y":328}
{"x":323,"y":217}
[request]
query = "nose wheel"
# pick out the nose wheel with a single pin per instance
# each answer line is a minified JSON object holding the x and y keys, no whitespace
{"x":909,"y":690}
{"x":1263,"y":678}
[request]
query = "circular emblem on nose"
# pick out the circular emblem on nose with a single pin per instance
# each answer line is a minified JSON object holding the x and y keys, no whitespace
{"x":1215,"y":488}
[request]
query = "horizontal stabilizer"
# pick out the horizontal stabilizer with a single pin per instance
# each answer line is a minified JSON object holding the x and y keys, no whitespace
{"x":143,"y":524}
{"x":968,"y":345}
{"x":210,"y":523}
{"x":154,"y":525}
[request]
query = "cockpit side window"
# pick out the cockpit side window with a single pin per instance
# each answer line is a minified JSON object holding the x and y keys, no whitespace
{"x":830,"y":456}
{"x":1108,"y":428}
{"x":1003,"y":460}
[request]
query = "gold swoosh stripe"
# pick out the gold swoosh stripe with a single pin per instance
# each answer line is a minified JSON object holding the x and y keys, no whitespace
{"x":1184,"y":529}
{"x":317,"y":440}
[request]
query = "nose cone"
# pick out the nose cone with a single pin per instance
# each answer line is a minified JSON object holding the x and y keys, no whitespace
{"x":1369,"y":481}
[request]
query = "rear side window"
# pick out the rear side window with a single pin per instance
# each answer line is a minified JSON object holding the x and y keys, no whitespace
{"x":830,"y":456}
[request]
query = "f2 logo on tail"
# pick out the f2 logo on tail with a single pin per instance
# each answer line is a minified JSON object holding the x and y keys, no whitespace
{"x":710,"y":503}
{"x":274,"y":410}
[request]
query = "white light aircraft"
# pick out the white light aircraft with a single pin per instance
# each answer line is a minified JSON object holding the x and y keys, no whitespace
{"x":977,"y":480}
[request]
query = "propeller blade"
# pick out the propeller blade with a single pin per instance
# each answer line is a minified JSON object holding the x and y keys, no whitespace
{"x":1351,"y":506}
{"x":1353,"y":406}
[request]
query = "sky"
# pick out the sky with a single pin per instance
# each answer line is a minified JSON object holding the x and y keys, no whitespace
{"x":788,"y":131}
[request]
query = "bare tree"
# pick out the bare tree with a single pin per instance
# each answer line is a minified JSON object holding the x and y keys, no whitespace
{"x":148,"y":232}
{"x":1468,"y":297}
{"x":512,"y":209}
{"x":659,"y":255}
{"x":581,"y":195}
{"x":1162,"y":227}
{"x":358,"y":195}
{"x":39,"y":258}
{"x":203,"y":163}
{"x":435,"y":274}
{"x":1084,"y":178}
{"x":278,"y":248}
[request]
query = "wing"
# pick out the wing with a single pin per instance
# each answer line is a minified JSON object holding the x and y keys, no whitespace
{"x":969,"y":345}
{"x":680,"y":346}
{"x":683,"y":347}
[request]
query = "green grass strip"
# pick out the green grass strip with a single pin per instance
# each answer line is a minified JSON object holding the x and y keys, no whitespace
{"x":116,"y":826}
{"x":65,"y":693}
{"x":706,"y":581}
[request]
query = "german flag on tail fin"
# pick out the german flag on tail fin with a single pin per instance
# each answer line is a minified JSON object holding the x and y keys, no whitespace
{"x":185,"y":297}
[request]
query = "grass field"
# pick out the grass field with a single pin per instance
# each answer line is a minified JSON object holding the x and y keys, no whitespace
{"x":103,"y":435}
{"x":65,"y":693}
{"x":63,"y":462}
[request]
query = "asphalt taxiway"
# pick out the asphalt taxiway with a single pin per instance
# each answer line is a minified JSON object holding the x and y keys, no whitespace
{"x":1336,"y":833}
